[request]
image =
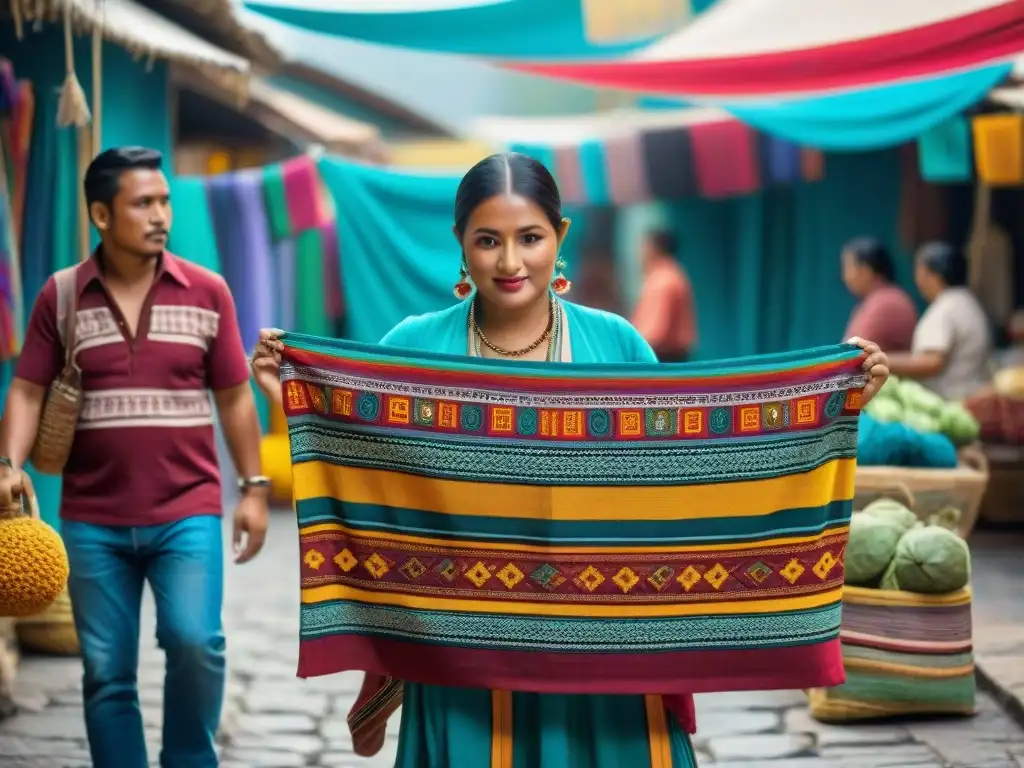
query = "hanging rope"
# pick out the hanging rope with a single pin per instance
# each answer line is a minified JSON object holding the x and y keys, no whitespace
{"x":97,"y":77}
{"x":73,"y":108}
{"x":19,"y":21}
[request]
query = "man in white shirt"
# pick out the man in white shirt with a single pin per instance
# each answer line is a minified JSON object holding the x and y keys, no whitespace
{"x":952,"y":341}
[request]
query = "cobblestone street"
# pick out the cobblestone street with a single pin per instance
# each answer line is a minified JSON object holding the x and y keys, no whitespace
{"x":274,"y":719}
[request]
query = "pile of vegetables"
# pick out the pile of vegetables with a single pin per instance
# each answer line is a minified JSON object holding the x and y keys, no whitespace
{"x":910,"y":403}
{"x":907,"y":425}
{"x":889,"y":548}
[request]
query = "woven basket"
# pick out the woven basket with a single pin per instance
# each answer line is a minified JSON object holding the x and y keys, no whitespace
{"x":52,"y":631}
{"x":931,"y":489}
{"x":57,"y":423}
{"x":889,"y":653}
{"x":63,"y":405}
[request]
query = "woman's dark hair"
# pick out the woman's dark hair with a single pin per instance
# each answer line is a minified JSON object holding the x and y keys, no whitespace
{"x":872,"y":254}
{"x":945,"y":261}
{"x":510,"y":173}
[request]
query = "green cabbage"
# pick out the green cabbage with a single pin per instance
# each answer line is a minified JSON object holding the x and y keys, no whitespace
{"x":870,"y":548}
{"x":929,"y":560}
{"x":885,"y":409}
{"x":957,"y":423}
{"x":915,"y":397}
{"x":892,"y":512}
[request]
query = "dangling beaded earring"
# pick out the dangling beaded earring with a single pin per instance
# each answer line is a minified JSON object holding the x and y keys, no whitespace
{"x":560,"y":285}
{"x":463,"y":288}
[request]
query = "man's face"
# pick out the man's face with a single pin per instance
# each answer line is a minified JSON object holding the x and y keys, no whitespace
{"x":141,"y":217}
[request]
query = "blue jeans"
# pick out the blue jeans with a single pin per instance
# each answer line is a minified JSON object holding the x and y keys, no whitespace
{"x":184,"y":565}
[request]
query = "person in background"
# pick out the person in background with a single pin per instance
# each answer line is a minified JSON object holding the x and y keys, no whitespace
{"x":142,"y":497}
{"x":886,"y":313}
{"x":952,"y":341}
{"x":664,"y":314}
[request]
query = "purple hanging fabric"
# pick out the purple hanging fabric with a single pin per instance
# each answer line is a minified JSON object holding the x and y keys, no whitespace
{"x":225,"y":210}
{"x":254,"y":231}
{"x":284,"y":250}
{"x":783,"y":161}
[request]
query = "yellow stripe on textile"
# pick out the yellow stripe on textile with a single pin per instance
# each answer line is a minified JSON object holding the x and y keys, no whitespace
{"x":864,"y":596}
{"x":657,"y":731}
{"x":830,"y":482}
{"x":327,"y":593}
{"x":310,"y":531}
{"x":501,"y":729}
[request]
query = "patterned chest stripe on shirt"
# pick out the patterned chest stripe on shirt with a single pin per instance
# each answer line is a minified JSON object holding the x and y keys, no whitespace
{"x":96,"y":328}
{"x":183,"y":325}
{"x":173,"y":324}
{"x":123,"y":408}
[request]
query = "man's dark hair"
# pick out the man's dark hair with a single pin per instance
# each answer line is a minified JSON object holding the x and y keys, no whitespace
{"x":664,"y":240}
{"x":103,"y":177}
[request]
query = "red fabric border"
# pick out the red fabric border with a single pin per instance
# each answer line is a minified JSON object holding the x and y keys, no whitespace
{"x":969,"y":40}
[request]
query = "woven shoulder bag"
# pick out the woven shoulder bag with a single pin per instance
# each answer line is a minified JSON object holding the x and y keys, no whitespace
{"x":64,"y":400}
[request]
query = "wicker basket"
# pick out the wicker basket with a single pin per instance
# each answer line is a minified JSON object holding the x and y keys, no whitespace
{"x":63,"y":405}
{"x":889,"y":652}
{"x":932,"y":490}
{"x":52,"y":631}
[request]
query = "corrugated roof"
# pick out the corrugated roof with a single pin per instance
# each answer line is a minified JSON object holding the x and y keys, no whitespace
{"x":146,"y":34}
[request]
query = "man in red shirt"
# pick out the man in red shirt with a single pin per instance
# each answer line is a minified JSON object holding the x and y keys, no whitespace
{"x":886,"y":313}
{"x":664,"y":314}
{"x":142,"y":499}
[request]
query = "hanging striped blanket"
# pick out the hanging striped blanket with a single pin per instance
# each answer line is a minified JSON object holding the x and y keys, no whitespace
{"x":570,"y":528}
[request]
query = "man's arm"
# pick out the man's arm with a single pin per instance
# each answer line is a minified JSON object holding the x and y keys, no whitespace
{"x":653,"y":314}
{"x":40,"y":362}
{"x":228,"y":375}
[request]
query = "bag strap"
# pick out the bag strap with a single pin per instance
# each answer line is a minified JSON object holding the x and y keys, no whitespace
{"x":67,"y":308}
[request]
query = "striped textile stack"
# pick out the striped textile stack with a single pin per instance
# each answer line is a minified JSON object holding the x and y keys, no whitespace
{"x":904,"y":654}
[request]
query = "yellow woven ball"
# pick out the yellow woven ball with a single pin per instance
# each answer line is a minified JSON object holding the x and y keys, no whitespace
{"x":33,"y":566}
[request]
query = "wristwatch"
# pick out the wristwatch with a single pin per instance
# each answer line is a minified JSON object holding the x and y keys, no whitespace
{"x":256,"y":481}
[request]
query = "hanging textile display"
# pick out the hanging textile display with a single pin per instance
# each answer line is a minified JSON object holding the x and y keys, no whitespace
{"x":646,"y":155}
{"x":999,"y":148}
{"x":944,"y":152}
{"x":706,"y":571}
{"x":570,"y":28}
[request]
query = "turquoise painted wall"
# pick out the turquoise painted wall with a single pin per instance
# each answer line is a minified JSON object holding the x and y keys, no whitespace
{"x":135,"y":111}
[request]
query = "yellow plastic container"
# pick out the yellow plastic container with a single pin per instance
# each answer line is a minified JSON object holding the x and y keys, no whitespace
{"x":999,"y":149}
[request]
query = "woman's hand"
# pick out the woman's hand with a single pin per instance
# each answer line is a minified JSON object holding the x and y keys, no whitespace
{"x":876,"y":365}
{"x":266,"y":364}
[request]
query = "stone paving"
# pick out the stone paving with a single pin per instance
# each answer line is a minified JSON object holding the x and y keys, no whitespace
{"x":276,"y":720}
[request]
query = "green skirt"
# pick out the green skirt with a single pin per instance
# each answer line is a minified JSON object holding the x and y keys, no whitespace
{"x":471,"y":728}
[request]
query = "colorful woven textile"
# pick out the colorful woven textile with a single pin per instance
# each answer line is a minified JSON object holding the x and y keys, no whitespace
{"x":905,"y":654}
{"x":520,"y":526}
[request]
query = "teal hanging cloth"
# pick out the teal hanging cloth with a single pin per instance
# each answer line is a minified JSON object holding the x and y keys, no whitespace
{"x":310,"y":297}
{"x":944,"y":152}
{"x":276,"y":202}
{"x":65,"y":201}
{"x":193,"y":236}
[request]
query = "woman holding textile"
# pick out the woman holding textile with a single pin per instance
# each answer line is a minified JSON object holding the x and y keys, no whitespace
{"x":509,"y":225}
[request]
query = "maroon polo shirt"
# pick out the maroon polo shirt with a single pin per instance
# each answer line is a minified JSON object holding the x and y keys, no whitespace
{"x":144,"y":451}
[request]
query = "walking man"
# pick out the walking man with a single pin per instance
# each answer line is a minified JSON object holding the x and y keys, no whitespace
{"x":141,"y":495}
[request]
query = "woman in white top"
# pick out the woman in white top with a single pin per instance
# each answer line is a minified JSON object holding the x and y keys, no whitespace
{"x":952,"y":340}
